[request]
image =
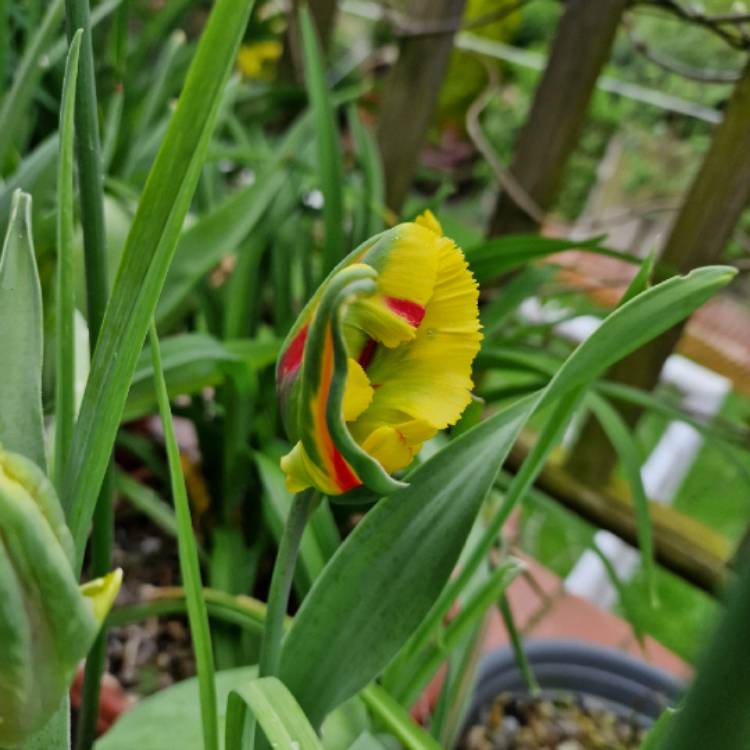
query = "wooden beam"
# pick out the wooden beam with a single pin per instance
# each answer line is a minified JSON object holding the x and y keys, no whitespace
{"x":411,"y":92}
{"x":580,"y":49}
{"x":682,"y":545}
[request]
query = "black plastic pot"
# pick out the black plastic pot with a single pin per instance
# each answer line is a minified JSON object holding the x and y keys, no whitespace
{"x":627,"y":686}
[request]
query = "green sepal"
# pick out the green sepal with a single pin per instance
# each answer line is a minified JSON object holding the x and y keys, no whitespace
{"x":47,"y":624}
{"x":343,"y":286}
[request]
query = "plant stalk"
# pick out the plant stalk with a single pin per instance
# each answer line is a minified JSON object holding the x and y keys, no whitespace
{"x":281,"y":581}
{"x":189,"y":562}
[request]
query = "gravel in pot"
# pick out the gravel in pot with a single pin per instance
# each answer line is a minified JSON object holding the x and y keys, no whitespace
{"x":592,"y":698}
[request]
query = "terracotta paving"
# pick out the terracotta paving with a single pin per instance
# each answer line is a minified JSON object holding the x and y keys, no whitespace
{"x":542,"y":609}
{"x":716,"y":336}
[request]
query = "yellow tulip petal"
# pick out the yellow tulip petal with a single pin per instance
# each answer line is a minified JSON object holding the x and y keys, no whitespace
{"x":358,"y":392}
{"x":389,"y":447}
{"x":429,"y":379}
{"x":301,"y":473}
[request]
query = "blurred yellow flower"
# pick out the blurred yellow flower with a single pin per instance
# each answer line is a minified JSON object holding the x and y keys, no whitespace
{"x":256,"y":61}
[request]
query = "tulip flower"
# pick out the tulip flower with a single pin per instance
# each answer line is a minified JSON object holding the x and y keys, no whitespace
{"x":379,"y":360}
{"x":47,"y":622}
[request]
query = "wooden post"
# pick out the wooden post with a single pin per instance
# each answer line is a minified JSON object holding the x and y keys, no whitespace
{"x":581,"y":48}
{"x":713,"y":206}
{"x":411,"y":92}
{"x":291,"y":66}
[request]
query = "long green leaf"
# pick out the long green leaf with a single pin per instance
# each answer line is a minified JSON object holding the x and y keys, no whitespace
{"x":383,"y":579}
{"x":65,"y":312}
{"x":645,"y":316}
{"x":277,"y":713}
{"x":619,"y":435}
{"x":146,"y":258}
{"x":191,"y":361}
{"x":189,"y":564}
{"x":21,"y":425}
{"x":397,"y":719}
{"x":330,"y":166}
{"x":474,"y":610}
{"x":502,"y":254}
{"x":714,"y":714}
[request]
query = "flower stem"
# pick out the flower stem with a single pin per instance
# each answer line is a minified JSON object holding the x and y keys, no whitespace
{"x":187,"y":549}
{"x":281,"y":581}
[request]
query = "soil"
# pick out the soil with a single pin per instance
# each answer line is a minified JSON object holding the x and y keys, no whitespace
{"x":560,"y":721}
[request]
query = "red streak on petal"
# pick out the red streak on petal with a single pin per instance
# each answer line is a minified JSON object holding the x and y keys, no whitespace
{"x":343,"y":475}
{"x":292,"y":358}
{"x":411,"y":312}
{"x":346,"y":479}
{"x":368,"y":352}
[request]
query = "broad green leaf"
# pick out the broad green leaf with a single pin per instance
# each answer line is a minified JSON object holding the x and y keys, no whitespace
{"x":21,"y":424}
{"x":386,"y":575}
{"x":148,"y":252}
{"x":330,"y":166}
{"x":658,"y":732}
{"x":367,"y":741}
{"x":714,"y":713}
{"x":499,"y":255}
{"x":273,"y":707}
{"x":170,"y":719}
{"x":642,"y":318}
{"x":55,"y":734}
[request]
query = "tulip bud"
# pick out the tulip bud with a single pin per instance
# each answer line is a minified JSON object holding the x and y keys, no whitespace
{"x":47,"y":623}
{"x":379,"y":360}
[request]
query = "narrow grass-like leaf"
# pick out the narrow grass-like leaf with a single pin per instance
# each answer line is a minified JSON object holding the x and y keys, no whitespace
{"x":16,"y":101}
{"x":330,"y":166}
{"x":189,"y":564}
{"x":65,"y":405}
{"x":371,"y":206}
{"x":191,"y":361}
{"x":523,"y":664}
{"x":619,"y":435}
{"x":502,"y":254}
{"x":471,"y":612}
{"x":525,"y":284}
{"x":641,"y":280}
{"x":146,"y":258}
{"x":21,"y":425}
{"x":397,"y":719}
{"x":273,"y":707}
{"x":35,"y":175}
{"x":145,"y":500}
